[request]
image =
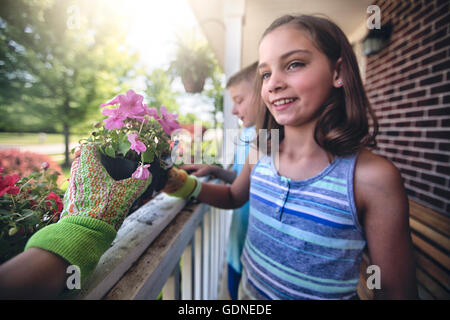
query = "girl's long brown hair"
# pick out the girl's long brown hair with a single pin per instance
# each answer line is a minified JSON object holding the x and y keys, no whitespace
{"x":343,"y":125}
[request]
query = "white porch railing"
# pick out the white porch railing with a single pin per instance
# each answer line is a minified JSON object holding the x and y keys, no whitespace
{"x":167,"y":245}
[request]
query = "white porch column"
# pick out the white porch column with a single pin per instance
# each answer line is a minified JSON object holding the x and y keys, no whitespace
{"x":233,"y":16}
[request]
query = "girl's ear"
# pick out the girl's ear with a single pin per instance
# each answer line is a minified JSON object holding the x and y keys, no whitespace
{"x":337,"y":80}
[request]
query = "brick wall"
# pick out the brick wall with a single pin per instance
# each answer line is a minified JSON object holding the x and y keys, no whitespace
{"x":408,"y":84}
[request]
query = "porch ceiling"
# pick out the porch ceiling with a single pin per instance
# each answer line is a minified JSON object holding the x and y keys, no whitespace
{"x":350,"y":15}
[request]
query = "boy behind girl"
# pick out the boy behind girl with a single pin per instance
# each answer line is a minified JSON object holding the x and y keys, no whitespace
{"x":241,"y":88}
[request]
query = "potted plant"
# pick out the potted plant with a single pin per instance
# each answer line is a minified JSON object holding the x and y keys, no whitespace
{"x":194,"y":62}
{"x":135,"y":140}
{"x":27,"y":205}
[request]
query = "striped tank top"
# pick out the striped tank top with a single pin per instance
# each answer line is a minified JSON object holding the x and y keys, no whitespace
{"x":304,"y":240}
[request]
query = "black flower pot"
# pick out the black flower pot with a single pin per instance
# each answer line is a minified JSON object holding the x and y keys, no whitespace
{"x":120,"y":168}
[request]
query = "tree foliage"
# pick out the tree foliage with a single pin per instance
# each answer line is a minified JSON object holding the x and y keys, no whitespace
{"x":59,"y":59}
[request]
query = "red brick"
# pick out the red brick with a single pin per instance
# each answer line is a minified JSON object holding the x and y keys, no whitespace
{"x":443,"y":169}
{"x":415,"y":134}
{"x":421,"y":186}
{"x":444,"y":21}
{"x":416,"y":94}
{"x":441,"y":89}
{"x":442,"y":193}
{"x":424,"y":144}
{"x":439,"y":112}
{"x":437,"y":157}
{"x":411,"y":48}
{"x":421,"y":165}
{"x":414,"y":114}
{"x":442,"y":66}
{"x":409,"y":68}
{"x":436,"y":57}
{"x":411,"y":153}
{"x":438,"y":134}
{"x":408,"y":172}
{"x":436,"y":15}
{"x":407,"y":87}
{"x":433,"y":201}
{"x":405,"y":105}
{"x":434,"y":179}
{"x":442,"y":44}
{"x":418,"y":74}
{"x":428,"y":102}
{"x":444,"y":146}
{"x":426,"y":123}
{"x":434,"y":36}
{"x":431,"y":80}
{"x":421,"y":53}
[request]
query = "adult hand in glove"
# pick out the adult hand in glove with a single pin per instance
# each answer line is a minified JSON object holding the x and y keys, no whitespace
{"x":95,"y":206}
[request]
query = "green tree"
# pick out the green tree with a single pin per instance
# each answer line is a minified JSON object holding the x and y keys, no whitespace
{"x":159,"y":91}
{"x":59,"y":60}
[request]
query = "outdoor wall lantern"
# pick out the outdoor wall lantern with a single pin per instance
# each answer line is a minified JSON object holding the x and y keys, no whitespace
{"x":377,"y":39}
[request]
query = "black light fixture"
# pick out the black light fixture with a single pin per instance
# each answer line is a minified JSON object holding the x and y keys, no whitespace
{"x":377,"y":39}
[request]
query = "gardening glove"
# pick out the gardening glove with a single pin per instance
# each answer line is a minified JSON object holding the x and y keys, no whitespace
{"x":181,"y":185}
{"x":95,"y":206}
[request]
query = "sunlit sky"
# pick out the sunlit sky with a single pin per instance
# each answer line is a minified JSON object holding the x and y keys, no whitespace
{"x":153,"y":25}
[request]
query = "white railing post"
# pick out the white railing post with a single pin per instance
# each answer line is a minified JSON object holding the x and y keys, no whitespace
{"x":198,"y":269}
{"x":187,"y":273}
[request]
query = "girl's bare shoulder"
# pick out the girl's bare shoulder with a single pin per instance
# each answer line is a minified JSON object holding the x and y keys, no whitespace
{"x":375,"y":174}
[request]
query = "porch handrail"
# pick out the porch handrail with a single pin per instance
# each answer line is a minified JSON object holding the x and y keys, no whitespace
{"x":149,"y":245}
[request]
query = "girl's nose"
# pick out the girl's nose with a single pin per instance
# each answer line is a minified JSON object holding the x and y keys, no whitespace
{"x":275,"y":82}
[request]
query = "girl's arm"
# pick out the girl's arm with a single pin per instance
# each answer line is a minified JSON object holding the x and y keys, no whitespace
{"x":381,"y":199}
{"x":228,"y":196}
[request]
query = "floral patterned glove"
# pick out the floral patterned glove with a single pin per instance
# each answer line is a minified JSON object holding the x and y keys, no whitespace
{"x":95,"y":206}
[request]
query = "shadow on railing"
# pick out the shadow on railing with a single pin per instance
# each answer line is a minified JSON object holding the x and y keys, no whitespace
{"x":167,"y":245}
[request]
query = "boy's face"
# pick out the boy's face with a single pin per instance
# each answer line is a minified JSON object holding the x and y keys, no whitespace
{"x":241,"y":94}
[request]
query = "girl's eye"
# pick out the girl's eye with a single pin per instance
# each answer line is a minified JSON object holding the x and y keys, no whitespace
{"x":295,"y":64}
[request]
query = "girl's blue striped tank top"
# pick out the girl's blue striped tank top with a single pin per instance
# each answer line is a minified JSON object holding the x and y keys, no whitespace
{"x":304,"y":240}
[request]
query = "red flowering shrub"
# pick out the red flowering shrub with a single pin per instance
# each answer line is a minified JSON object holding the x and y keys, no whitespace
{"x":25,"y":162}
{"x":26,"y":205}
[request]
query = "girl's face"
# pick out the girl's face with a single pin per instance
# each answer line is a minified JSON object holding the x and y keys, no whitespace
{"x":296,"y":77}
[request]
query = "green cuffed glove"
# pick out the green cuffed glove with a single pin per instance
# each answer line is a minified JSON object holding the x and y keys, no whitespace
{"x":95,"y":206}
{"x":181,"y":185}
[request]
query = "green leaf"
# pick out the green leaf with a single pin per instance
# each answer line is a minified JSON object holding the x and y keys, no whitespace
{"x":110,"y":151}
{"x":148,"y":156}
{"x":124,"y":146}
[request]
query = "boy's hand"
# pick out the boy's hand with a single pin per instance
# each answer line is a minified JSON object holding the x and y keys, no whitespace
{"x":200,"y":170}
{"x":180,"y":184}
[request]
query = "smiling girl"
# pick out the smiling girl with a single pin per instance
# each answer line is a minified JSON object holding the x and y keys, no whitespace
{"x":312,"y":215}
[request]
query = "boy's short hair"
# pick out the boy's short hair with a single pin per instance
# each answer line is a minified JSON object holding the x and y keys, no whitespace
{"x":246,"y":74}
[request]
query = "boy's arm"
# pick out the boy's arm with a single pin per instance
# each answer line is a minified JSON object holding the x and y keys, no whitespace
{"x":381,"y":197}
{"x":232,"y":196}
{"x":202,"y":170}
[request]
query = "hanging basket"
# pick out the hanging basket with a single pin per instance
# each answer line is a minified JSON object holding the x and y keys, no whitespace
{"x":191,"y":85}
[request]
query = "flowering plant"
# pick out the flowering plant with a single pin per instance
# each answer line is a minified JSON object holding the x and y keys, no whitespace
{"x":135,"y":131}
{"x":26,"y":205}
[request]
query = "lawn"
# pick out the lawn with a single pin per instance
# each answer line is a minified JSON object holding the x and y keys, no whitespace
{"x":15,"y":138}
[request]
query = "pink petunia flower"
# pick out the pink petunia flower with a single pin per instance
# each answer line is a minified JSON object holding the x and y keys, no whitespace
{"x":142,"y":172}
{"x":115,"y":120}
{"x":168,"y":121}
{"x":136,"y":145}
{"x":130,"y":104}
